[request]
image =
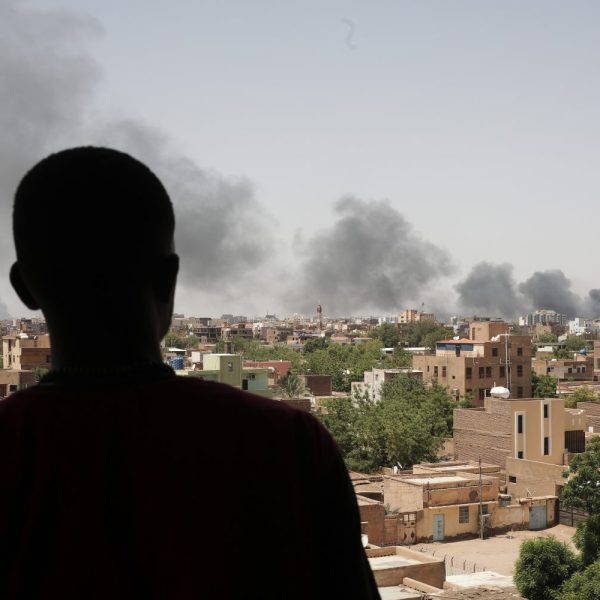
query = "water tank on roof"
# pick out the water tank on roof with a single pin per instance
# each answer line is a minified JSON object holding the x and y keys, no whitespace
{"x":177,"y":363}
{"x":500,"y":392}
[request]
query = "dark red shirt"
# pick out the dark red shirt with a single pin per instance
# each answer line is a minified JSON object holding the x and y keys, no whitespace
{"x":172,"y":488}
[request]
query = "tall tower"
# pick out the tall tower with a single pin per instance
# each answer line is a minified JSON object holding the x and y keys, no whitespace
{"x":320,"y":317}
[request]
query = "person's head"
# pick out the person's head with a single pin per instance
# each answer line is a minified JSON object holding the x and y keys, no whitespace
{"x":93,"y":230}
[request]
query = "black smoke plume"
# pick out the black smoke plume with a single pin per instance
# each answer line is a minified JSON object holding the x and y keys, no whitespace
{"x":369,"y":259}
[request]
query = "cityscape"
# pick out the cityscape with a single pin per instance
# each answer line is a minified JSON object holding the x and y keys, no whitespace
{"x":458,"y":434}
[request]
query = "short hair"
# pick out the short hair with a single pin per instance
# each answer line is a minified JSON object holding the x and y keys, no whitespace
{"x":89,"y":212}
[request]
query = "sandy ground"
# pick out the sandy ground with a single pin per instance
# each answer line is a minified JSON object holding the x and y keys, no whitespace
{"x":497,"y":553}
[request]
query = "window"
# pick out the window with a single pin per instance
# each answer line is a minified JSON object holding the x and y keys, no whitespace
{"x":546,"y":446}
{"x":484,"y":509}
{"x":230,"y":366}
{"x":519,"y":351}
{"x":519,"y":392}
{"x":482,"y":394}
{"x":502,"y":371}
{"x":435,"y":371}
{"x":546,"y":410}
{"x":488,"y":371}
{"x":494,"y":351}
{"x":12,"y":387}
{"x":570,"y":370}
{"x":481,"y":372}
{"x":520,"y":454}
{"x":519,"y":370}
{"x":463,"y":514}
{"x":469,"y":374}
{"x":512,"y":479}
{"x":519,"y":423}
{"x":443,"y":371}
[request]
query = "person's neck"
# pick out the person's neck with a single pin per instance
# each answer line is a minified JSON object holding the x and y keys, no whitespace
{"x":105,"y":347}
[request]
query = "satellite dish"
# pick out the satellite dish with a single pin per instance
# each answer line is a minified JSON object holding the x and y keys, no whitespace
{"x":500,"y":392}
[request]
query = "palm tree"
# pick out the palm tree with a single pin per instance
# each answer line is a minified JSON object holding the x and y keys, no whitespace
{"x":292,"y":386}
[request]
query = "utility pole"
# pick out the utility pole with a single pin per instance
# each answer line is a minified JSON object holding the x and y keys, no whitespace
{"x":480,"y":501}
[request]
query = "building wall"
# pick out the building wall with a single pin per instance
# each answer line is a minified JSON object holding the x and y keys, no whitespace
{"x":533,"y":478}
{"x":319,"y":385}
{"x":12,"y":381}
{"x":228,"y":365}
{"x":452,"y":525}
{"x":478,"y":434}
{"x":402,"y":496}
{"x":424,"y":568}
{"x":373,"y":513}
{"x":592,"y":415}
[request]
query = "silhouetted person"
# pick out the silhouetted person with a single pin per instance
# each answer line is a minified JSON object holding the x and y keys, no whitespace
{"x":119,"y":479}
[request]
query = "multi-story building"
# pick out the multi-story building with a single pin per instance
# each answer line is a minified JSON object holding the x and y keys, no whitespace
{"x":27,"y":353}
{"x":532,"y":439}
{"x":411,"y":315}
{"x":471,"y":367}
{"x":543,"y":316}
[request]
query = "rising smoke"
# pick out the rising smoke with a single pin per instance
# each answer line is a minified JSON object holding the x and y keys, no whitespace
{"x":48,"y":83}
{"x":369,"y":259}
{"x":491,"y":289}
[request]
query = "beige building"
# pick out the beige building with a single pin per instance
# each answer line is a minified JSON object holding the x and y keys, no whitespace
{"x":375,"y":378}
{"x":436,"y":506}
{"x":23,"y":352}
{"x":580,"y":368}
{"x":472,"y":366}
{"x":13,"y":380}
{"x":411,"y":315}
{"x":532,"y":439}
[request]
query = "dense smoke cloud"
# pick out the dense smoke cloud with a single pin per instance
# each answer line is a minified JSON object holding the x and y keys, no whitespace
{"x":369,"y":259}
{"x":490,"y":289}
{"x":551,"y":289}
{"x":48,"y":83}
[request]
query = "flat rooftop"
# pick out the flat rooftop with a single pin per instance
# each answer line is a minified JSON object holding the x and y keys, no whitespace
{"x":398,"y":593}
{"x":483,"y":578}
{"x":445,"y":479}
{"x":390,"y":562}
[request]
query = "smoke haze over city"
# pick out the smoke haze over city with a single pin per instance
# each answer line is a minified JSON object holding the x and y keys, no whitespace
{"x":384,"y":216}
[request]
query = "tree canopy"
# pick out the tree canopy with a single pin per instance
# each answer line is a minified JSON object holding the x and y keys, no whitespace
{"x":408,"y":425}
{"x":547,"y":337}
{"x":544,"y":564}
{"x":543,"y":386}
{"x":388,"y":334}
{"x":583,"y":393}
{"x":173,"y":340}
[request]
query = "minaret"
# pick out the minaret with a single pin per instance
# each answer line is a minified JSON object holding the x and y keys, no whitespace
{"x":320,"y":317}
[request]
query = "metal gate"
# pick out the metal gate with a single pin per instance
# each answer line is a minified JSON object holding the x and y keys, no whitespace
{"x":537,"y":517}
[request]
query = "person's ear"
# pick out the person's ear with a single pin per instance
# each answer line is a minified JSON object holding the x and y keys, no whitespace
{"x":165,"y":277}
{"x":16,"y":280}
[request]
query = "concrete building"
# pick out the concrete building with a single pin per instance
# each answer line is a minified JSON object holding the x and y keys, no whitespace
{"x":375,"y":378}
{"x":13,"y":380}
{"x":543,"y":316}
{"x":579,"y":368}
{"x":411,"y":315}
{"x":227,"y":368}
{"x":472,"y":366}
{"x":26,"y":353}
{"x":436,"y":506}
{"x":532,"y":439}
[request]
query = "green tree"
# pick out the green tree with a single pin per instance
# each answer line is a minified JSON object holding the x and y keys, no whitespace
{"x":406,"y":426}
{"x":583,"y":393}
{"x":39,"y":372}
{"x":292,"y":386}
{"x":415,"y":332}
{"x":575,"y":343}
{"x":318,"y":343}
{"x":544,"y":564}
{"x":388,"y":334}
{"x":430,"y":339}
{"x":582,"y":489}
{"x":584,"y":585}
{"x":562,"y":353}
{"x":173,"y":340}
{"x":543,"y":386}
{"x":547,"y":337}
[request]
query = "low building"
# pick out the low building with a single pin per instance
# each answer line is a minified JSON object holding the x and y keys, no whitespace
{"x":375,"y":378}
{"x":579,"y":368}
{"x":13,"y":380}
{"x":26,"y":353}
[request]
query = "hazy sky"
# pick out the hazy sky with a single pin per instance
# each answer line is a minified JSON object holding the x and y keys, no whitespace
{"x":477,"y":120}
